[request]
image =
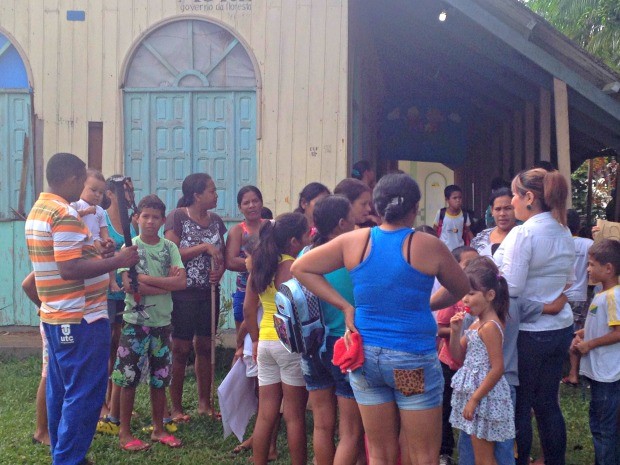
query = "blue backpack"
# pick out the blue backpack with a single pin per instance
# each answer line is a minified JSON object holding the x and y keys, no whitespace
{"x":298,"y":318}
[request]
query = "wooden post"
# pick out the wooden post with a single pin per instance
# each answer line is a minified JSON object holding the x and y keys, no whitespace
{"x":562,"y":136}
{"x":589,"y":196}
{"x":517,"y":141}
{"x":530,"y":134}
{"x":545,"y":125}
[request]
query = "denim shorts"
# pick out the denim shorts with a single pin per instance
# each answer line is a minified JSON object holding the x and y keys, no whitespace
{"x":320,"y":373}
{"x":373,"y":383}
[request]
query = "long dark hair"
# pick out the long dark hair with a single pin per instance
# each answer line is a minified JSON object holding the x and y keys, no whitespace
{"x":309,"y":193}
{"x":484,"y":276}
{"x":274,"y":237}
{"x":327,"y":214}
{"x":195,"y":183}
{"x":244,"y":190}
{"x":395,"y":195}
{"x":351,"y":188}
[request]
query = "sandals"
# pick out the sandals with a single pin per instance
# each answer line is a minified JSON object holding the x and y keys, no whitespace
{"x":568,"y":382}
{"x":181,"y":418}
{"x":241,"y":448}
{"x":168,"y":440}
{"x":136,"y":445}
{"x":107,"y":426}
{"x":169,"y":425}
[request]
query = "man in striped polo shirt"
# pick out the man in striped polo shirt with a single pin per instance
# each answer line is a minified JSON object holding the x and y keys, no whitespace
{"x":71,"y":281}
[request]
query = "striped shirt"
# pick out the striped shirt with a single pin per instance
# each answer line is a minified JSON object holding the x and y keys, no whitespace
{"x":54,"y":233}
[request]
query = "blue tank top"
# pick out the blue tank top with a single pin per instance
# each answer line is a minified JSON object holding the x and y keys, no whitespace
{"x":393,"y":299}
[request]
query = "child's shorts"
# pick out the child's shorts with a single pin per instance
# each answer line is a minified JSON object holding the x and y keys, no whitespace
{"x":276,"y":364}
{"x":374,"y":382}
{"x":237,"y":302}
{"x":137,"y":346}
{"x":320,"y":373}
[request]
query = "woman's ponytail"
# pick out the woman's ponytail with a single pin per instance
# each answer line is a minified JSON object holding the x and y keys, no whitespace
{"x":555,"y":190}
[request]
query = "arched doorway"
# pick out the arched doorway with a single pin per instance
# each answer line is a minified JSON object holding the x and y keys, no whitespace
{"x":190,"y":106}
{"x":16,"y":183}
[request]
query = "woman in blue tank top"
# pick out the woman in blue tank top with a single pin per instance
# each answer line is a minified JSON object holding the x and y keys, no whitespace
{"x":392,"y":269}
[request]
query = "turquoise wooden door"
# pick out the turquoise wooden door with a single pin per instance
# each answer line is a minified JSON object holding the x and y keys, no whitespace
{"x":190,"y":106}
{"x":16,"y":191}
{"x":171,"y":135}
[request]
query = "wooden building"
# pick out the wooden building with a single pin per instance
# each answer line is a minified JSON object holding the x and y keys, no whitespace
{"x":279,"y":93}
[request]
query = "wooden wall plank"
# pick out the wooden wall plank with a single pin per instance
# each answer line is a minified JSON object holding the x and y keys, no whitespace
{"x":35,"y":51}
{"x":342,"y":162}
{"x":139,"y":14}
{"x":331,"y":101}
{"x":65,"y":79}
{"x":94,"y":44}
{"x":112,"y":162}
{"x":271,"y":97}
{"x":545,"y":125}
{"x":301,"y":95}
{"x":316,"y":90}
{"x":287,"y":75}
{"x":49,"y":106}
{"x":81,"y":75}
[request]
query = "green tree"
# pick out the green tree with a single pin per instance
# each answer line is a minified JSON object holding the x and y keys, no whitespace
{"x":593,"y":24}
{"x":603,"y":181}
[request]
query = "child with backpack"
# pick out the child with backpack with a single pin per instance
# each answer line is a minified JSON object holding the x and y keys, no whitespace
{"x":279,"y":372}
{"x":452,"y":223}
{"x":329,"y":388}
{"x":481,"y":403}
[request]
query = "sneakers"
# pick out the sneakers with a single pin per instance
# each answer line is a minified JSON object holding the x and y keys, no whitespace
{"x":107,"y":426}
{"x":445,"y":459}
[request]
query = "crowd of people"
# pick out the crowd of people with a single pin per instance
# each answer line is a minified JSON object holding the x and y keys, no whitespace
{"x":459,"y":330}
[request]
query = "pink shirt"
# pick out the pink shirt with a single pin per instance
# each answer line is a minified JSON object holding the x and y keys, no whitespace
{"x":443,"y":318}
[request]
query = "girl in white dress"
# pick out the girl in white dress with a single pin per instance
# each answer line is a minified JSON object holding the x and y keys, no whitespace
{"x":481,"y":404}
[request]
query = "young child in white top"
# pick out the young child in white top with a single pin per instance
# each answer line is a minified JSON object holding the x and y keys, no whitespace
{"x":598,"y":343}
{"x":89,"y":209}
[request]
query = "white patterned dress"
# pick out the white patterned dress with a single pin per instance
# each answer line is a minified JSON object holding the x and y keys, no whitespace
{"x":494,"y":416}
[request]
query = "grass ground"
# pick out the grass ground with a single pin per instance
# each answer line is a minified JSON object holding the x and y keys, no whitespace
{"x":202,"y":438}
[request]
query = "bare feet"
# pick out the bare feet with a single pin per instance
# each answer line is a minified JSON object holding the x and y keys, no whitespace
{"x":41,"y":438}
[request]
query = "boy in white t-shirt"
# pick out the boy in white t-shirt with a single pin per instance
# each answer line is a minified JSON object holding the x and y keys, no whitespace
{"x":598,"y":343}
{"x":452,"y":222}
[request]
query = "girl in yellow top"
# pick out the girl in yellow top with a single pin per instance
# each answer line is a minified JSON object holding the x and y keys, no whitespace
{"x":279,"y":372}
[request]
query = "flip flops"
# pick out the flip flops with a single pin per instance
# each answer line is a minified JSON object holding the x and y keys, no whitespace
{"x":568,"y":382}
{"x":135,"y":445}
{"x":168,"y":440}
{"x":181,"y":418}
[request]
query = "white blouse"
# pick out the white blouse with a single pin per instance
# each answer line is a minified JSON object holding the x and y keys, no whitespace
{"x":537,"y":260}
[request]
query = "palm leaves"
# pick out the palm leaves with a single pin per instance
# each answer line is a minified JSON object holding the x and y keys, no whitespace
{"x":593,"y":24}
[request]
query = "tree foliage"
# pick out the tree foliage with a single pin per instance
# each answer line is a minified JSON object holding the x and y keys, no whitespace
{"x":593,"y":24}
{"x":603,"y":181}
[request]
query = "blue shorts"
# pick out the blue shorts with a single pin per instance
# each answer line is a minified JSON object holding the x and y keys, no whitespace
{"x":373,"y":383}
{"x":320,"y":373}
{"x":237,"y":303}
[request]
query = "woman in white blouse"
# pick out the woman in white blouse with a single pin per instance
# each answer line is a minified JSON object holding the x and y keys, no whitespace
{"x":537,"y":261}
